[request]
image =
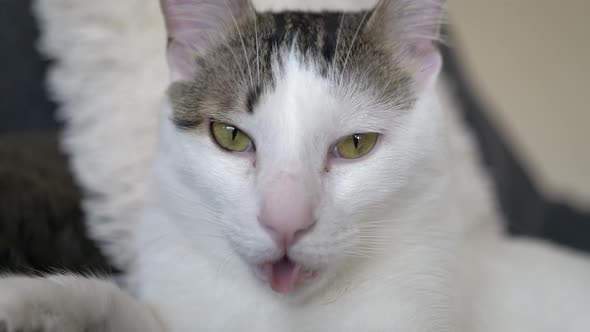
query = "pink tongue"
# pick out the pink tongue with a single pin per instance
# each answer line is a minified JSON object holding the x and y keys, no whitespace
{"x":282,"y":275}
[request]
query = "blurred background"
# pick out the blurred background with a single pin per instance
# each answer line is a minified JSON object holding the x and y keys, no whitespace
{"x":529,"y":60}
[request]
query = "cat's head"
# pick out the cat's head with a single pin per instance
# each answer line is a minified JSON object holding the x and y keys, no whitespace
{"x":303,"y":140}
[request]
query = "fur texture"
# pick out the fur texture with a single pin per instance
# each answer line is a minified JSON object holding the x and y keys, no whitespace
{"x":440,"y":256}
{"x":109,"y":79}
{"x":70,"y":304}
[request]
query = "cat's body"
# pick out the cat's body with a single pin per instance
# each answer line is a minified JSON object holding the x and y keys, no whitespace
{"x":347,"y":200}
{"x":473,"y":278}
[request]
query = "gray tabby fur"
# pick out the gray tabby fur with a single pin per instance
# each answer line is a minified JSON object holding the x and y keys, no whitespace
{"x":351,"y":49}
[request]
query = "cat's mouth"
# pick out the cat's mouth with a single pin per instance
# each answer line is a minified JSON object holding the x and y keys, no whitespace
{"x":283,"y":275}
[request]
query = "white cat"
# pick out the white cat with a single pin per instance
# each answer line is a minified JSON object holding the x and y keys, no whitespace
{"x":308,"y":180}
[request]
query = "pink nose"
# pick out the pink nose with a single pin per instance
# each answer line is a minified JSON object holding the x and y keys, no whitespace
{"x":287,"y":209}
{"x":284,"y":231}
{"x":286,"y":214}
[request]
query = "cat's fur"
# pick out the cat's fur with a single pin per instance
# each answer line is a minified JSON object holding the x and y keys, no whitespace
{"x":70,"y":304}
{"x":392,"y":248}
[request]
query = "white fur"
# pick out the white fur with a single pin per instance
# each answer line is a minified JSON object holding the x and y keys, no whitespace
{"x":109,"y":78}
{"x":444,"y":267}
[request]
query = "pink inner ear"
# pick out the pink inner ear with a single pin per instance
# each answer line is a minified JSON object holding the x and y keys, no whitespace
{"x":416,"y":24}
{"x":179,"y":61}
{"x":191,"y":24}
{"x":429,"y":63}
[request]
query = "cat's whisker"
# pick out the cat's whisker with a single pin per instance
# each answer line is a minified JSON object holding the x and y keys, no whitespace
{"x":188,"y":213}
{"x":372,"y":251}
{"x":368,"y":253}
{"x":368,"y":243}
{"x":374,"y":226}
{"x":377,"y":221}
{"x":376,"y":248}
{"x":225,"y":263}
{"x":163,"y":238}
{"x":374,"y":238}
{"x":356,"y":254}
{"x":373,"y":230}
{"x":350,"y":48}
{"x":257,"y":46}
{"x":371,"y":222}
{"x":364,"y":252}
{"x":212,"y":222}
{"x":242,"y":41}
{"x":382,"y":232}
{"x":367,"y":227}
{"x":226,"y":43}
{"x":377,"y":225}
{"x":336,"y":48}
{"x":374,"y":235}
{"x":369,"y":246}
{"x":235,"y":83}
{"x":216,"y":236}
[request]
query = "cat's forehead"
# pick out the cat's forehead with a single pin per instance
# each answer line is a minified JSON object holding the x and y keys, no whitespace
{"x":250,"y":57}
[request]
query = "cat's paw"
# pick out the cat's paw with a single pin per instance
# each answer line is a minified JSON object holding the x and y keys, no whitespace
{"x":20,"y":317}
{"x":29,"y":319}
{"x":34,"y":321}
{"x":34,"y":305}
{"x":71,"y":304}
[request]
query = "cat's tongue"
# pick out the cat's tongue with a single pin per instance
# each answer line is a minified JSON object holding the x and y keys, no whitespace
{"x":282,"y":275}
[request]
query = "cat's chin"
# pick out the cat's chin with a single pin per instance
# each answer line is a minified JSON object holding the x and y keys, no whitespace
{"x":285,"y":275}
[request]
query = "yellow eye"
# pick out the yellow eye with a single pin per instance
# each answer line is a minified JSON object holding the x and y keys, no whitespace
{"x":230,"y":137}
{"x":356,"y":146}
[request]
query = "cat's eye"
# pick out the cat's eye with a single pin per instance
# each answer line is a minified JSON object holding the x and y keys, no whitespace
{"x":231,"y":137}
{"x":356,"y":145}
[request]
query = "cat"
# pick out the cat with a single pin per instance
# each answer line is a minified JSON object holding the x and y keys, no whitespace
{"x":308,"y":180}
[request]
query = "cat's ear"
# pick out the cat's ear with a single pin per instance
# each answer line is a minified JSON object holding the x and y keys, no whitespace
{"x":413,"y":27}
{"x":191,"y":25}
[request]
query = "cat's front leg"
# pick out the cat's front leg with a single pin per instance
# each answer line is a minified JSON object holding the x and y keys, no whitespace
{"x":70,"y":304}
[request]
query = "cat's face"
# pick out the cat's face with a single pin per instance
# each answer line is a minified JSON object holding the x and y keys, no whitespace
{"x":301,"y":136}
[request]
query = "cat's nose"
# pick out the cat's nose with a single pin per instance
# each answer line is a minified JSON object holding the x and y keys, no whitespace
{"x":287,"y":209}
{"x":285,"y":231}
{"x":286,"y":215}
